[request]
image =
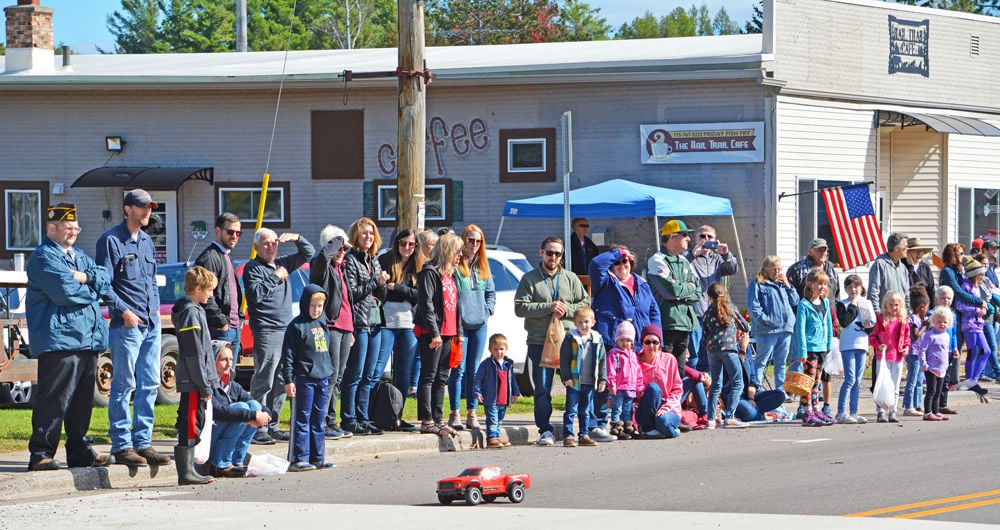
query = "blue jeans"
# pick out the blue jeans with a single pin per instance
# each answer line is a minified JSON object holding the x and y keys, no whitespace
{"x":135,"y":353}
{"x":765,"y":401}
{"x":697,"y":356}
{"x":854,"y":369}
{"x":267,"y":386}
{"x":992,"y":366}
{"x":356,"y":385}
{"x":691,"y":385}
{"x":913,"y":393}
{"x":232,"y":336}
{"x":577,"y":406}
{"x":461,"y":380}
{"x":725,"y":363}
{"x":404,"y":345}
{"x":621,"y":407}
{"x":309,"y":420}
{"x":541,"y":379}
{"x":230,"y":441}
{"x":771,"y":347}
{"x":494,"y":417}
{"x":645,"y":413}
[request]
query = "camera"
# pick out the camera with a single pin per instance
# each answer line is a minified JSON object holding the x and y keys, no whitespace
{"x":711,"y":244}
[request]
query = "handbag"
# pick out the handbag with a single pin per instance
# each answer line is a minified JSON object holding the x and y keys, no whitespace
{"x":553,"y":343}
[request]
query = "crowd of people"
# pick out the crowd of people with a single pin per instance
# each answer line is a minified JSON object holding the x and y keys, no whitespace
{"x":639,"y":356}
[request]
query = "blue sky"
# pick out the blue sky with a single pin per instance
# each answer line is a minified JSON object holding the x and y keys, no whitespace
{"x":82,"y":23}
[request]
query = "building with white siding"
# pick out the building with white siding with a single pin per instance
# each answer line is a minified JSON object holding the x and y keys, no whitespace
{"x":836,"y":88}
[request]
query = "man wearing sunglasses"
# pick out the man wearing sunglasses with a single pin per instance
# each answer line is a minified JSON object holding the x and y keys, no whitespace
{"x":711,"y":261}
{"x":547,"y":290}
{"x":223,"y":308}
{"x":675,"y":288}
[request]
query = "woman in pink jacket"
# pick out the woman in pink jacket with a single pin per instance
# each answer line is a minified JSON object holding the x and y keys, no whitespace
{"x":659,"y":411}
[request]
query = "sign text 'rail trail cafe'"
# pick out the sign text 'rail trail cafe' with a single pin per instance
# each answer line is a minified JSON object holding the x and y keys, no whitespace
{"x":697,"y":143}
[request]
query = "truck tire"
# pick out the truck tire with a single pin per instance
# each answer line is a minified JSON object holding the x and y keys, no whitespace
{"x":524,"y":380}
{"x":515,"y":492}
{"x":166,"y":393}
{"x":473,"y":496}
{"x":102,"y":383}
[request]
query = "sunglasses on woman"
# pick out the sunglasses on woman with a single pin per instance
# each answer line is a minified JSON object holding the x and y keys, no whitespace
{"x":651,"y":342}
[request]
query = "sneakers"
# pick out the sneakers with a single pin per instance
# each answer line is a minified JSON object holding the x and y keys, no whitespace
{"x":455,"y":421}
{"x":827,"y":419}
{"x":152,"y":457}
{"x":826,"y":411}
{"x":262,"y":438}
{"x":880,"y":417}
{"x":407,"y":427}
{"x":494,"y":443}
{"x":587,"y":441}
{"x":712,"y":424}
{"x":129,"y":457}
{"x":892,"y":417}
{"x":471,"y":421}
{"x":845,"y":419}
{"x":279,"y":435}
{"x":600,"y":435}
{"x":733,"y":423}
{"x":813,"y":420}
{"x":569,"y":441}
{"x":801,"y":413}
{"x":860,"y":419}
{"x":301,"y":466}
{"x":332,"y":433}
{"x":372,"y":429}
{"x":546,"y":439}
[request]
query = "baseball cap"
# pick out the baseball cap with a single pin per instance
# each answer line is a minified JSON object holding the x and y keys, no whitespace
{"x":977,"y":243}
{"x":139,"y":197}
{"x":674,"y":226}
{"x":819,"y":242}
{"x":990,"y":244}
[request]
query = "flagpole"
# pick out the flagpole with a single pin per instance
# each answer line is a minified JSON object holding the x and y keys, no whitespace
{"x":783,"y":194}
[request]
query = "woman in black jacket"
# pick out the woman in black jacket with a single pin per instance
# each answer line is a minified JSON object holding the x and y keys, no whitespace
{"x":366,"y":290}
{"x":438,"y":323}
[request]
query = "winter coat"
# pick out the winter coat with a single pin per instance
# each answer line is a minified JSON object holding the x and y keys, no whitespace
{"x":361,"y":272}
{"x":486,"y":381}
{"x":324,"y":274}
{"x":269,"y":299}
{"x":624,"y":372}
{"x":613,"y":304}
{"x":972,"y":314}
{"x":675,"y":289}
{"x":223,"y":400}
{"x":574,"y":350}
{"x":813,"y":331}
{"x":772,"y":307}
{"x":64,"y":314}
{"x":429,"y":314}
{"x":894,"y":335}
{"x":218,"y":307}
{"x":196,"y":358}
{"x":305,"y":351}
{"x":533,"y":299}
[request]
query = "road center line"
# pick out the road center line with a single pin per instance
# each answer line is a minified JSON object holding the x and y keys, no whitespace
{"x":905,"y":507}
{"x":946,"y":509}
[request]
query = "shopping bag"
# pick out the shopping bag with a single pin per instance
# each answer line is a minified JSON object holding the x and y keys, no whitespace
{"x":834,"y":364}
{"x":203,"y":451}
{"x":553,"y":342}
{"x":885,"y":391}
{"x":266,"y":464}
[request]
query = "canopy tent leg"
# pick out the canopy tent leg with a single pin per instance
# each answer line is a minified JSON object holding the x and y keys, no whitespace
{"x":656,"y":233}
{"x":499,"y":229}
{"x":739,"y":250}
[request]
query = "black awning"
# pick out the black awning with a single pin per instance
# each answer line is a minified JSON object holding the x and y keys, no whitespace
{"x":149,"y":178}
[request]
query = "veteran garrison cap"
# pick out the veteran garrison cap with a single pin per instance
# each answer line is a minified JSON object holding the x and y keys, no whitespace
{"x":62,"y":212}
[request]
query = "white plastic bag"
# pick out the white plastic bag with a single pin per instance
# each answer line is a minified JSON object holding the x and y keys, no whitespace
{"x":885,"y":391}
{"x":266,"y":464}
{"x":834,"y":364}
{"x":203,"y":451}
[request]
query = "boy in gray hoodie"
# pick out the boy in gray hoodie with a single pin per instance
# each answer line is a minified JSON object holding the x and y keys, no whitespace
{"x":196,"y":375}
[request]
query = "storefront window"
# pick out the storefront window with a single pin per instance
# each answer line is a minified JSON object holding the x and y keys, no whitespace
{"x":978,"y":213}
{"x":439,"y":205}
{"x":244,"y":200}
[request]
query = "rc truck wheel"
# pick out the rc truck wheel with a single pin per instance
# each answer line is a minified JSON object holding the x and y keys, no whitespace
{"x":473,"y":496}
{"x":515,"y":492}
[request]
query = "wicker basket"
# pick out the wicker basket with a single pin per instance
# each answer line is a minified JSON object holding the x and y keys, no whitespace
{"x":798,"y":383}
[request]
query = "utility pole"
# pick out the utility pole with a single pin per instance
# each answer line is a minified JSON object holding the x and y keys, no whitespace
{"x":241,"y":25}
{"x":412,"y":117}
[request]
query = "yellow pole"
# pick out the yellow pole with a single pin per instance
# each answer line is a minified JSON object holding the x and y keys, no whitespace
{"x":257,"y":225}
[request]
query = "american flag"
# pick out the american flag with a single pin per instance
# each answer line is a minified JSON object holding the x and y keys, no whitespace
{"x":855,"y":228}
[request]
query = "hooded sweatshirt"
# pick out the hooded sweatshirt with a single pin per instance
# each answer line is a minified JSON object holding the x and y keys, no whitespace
{"x":305,"y":351}
{"x":196,"y":360}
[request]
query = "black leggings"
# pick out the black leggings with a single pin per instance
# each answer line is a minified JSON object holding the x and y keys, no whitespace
{"x":932,"y":397}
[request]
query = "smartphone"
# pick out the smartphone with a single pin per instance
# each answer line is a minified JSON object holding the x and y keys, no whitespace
{"x":711,"y":244}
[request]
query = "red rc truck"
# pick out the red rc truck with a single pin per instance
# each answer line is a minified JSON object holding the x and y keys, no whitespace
{"x":478,"y":484}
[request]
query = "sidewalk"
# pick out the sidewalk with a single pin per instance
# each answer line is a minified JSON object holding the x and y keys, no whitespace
{"x":16,"y":483}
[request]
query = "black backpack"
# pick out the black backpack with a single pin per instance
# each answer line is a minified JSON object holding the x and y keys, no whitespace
{"x":386,"y":408}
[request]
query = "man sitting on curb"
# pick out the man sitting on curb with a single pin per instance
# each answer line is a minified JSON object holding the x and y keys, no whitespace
{"x":236,"y":418}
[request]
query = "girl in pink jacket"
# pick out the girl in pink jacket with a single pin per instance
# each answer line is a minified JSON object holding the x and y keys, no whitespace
{"x":624,"y":381}
{"x":891,"y":339}
{"x":659,"y":411}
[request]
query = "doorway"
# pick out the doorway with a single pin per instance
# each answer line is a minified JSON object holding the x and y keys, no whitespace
{"x":163,"y":226}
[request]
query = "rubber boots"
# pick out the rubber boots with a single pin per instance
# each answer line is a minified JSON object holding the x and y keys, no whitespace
{"x":616,"y":429}
{"x":186,"y":475}
{"x":629,"y":431}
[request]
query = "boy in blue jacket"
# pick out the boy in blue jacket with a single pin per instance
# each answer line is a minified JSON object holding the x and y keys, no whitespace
{"x":496,"y":388}
{"x":306,"y":366}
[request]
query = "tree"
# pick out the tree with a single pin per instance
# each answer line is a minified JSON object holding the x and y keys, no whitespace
{"x":268,"y":23}
{"x":492,"y":22}
{"x":644,"y":27}
{"x":135,"y":26}
{"x":582,"y":22}
{"x":756,"y":22}
{"x":702,"y":21}
{"x":678,"y":24}
{"x":722,"y":24}
{"x":200,"y":26}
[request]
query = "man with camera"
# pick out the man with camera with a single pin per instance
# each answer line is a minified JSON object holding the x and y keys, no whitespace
{"x":710,"y":261}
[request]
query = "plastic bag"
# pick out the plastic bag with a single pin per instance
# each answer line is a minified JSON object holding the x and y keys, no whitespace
{"x":834,"y":364}
{"x":203,"y":451}
{"x":885,"y":391}
{"x":266,"y":464}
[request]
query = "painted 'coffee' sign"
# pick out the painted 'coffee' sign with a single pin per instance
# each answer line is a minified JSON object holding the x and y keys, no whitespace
{"x":908,"y":49}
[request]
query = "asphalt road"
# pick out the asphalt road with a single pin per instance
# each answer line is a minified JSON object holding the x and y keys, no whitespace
{"x":773,"y":469}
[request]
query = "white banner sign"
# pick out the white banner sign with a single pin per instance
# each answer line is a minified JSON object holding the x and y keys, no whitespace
{"x":702,"y":143}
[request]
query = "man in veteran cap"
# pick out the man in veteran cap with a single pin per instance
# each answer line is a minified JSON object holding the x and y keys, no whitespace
{"x":67,"y":334}
{"x":126,"y":252}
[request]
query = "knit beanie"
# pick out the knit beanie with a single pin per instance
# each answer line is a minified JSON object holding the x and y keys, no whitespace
{"x":217,"y":346}
{"x":973,"y":268}
{"x":652,"y":329}
{"x":625,"y":330}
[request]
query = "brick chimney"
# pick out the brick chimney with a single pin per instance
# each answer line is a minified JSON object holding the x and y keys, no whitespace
{"x":29,"y":38}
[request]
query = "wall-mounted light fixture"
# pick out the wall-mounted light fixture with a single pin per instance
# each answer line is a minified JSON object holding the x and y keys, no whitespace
{"x":115,"y":143}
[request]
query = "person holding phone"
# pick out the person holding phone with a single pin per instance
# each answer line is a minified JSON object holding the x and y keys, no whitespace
{"x":710,"y":261}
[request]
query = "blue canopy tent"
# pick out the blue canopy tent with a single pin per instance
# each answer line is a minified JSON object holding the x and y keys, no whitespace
{"x":623,"y":198}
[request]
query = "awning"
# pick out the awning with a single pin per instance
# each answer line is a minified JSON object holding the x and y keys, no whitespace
{"x":941,"y":121}
{"x":149,"y":178}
